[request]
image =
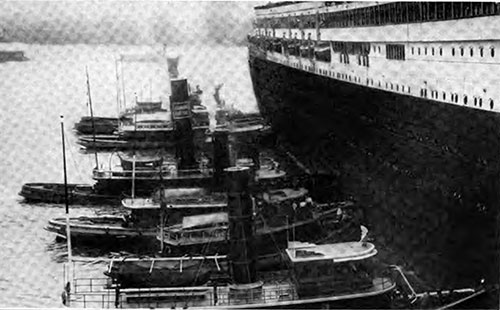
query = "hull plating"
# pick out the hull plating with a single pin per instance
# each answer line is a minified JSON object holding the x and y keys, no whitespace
{"x":427,"y":172}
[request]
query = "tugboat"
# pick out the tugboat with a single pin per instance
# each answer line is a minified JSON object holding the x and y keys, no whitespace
{"x":148,"y":125}
{"x":138,"y":224}
{"x":340,"y":275}
{"x":274,"y":223}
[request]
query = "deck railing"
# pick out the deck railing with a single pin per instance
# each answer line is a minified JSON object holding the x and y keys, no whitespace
{"x":99,"y":293}
{"x":212,"y":234}
{"x":153,"y":173}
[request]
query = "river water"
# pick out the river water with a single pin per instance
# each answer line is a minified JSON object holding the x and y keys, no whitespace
{"x":33,"y":95}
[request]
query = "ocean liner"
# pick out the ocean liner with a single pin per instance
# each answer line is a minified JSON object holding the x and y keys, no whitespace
{"x":400,"y":101}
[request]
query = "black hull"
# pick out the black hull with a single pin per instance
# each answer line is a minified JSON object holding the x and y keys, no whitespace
{"x":427,"y":172}
{"x":98,"y":129}
{"x":77,"y":194}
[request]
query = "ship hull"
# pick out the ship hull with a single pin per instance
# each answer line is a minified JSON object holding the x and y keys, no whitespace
{"x":427,"y":172}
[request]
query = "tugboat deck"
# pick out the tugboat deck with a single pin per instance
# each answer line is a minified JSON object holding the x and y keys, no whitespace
{"x":280,"y":292}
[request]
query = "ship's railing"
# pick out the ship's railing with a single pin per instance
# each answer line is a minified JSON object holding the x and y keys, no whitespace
{"x":139,"y":126}
{"x":100,"y":293}
{"x":91,"y":293}
{"x":197,"y":235}
{"x":165,"y":172}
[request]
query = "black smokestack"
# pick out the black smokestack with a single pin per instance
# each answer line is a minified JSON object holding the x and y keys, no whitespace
{"x":184,"y":143}
{"x":221,"y":155}
{"x":242,"y":251}
{"x":179,"y":90}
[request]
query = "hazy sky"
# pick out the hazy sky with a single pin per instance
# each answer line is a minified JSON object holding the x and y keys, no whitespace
{"x":125,"y":21}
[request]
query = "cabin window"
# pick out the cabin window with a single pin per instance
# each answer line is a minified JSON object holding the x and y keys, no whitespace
{"x":444,"y":96}
{"x":397,"y":87}
{"x":480,"y":102}
{"x":471,"y":52}
{"x":461,"y":51}
{"x":379,"y":49}
{"x":408,"y":89}
{"x":465,"y":99}
{"x":419,"y":50}
{"x":413,"y":51}
{"x":452,"y":51}
{"x":425,"y":51}
{"x":475,"y":101}
{"x":440,"y":51}
{"x":433,"y":51}
{"x":491,"y":103}
{"x":481,"y":51}
{"x":492,"y":51}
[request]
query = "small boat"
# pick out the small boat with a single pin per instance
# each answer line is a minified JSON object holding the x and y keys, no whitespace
{"x":333,"y":275}
{"x":151,"y":173}
{"x":6,"y":56}
{"x":78,"y":194}
{"x":115,"y":142}
{"x":98,"y":125}
{"x":210,"y":232}
{"x":142,"y":217}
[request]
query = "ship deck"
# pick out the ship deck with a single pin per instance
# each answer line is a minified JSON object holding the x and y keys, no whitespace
{"x":278,"y":292}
